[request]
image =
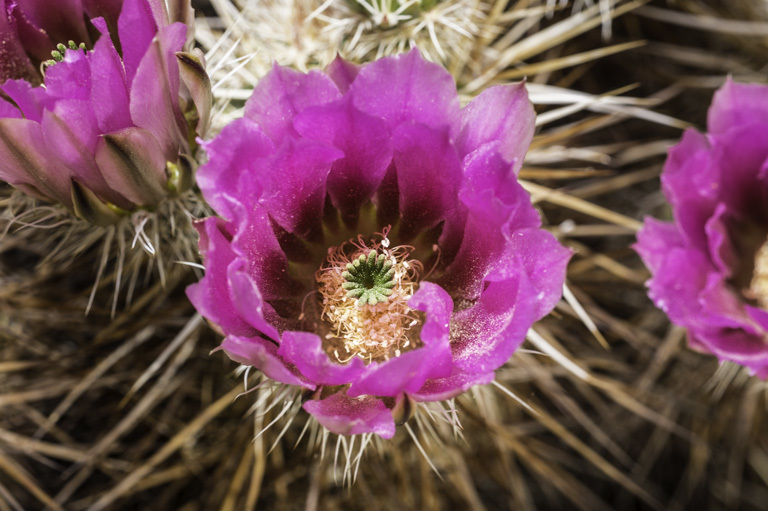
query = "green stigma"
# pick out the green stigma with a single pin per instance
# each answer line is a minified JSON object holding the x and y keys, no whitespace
{"x":60,"y":51}
{"x":369,"y":278}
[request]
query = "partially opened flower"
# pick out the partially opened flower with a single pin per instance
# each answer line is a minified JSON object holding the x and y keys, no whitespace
{"x":100,"y":103}
{"x":375,"y":247}
{"x":710,"y":265}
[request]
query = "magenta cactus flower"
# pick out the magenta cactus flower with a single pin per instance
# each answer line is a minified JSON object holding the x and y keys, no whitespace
{"x":710,"y":265}
{"x":375,"y":248}
{"x":99,"y":104}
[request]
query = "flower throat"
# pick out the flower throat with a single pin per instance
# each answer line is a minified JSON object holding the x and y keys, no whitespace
{"x":365,"y":290}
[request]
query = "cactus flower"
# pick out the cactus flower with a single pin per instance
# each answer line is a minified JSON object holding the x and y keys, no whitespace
{"x":374,"y":246}
{"x":99,"y":103}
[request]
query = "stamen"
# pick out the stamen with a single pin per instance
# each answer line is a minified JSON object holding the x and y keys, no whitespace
{"x":59,"y":53}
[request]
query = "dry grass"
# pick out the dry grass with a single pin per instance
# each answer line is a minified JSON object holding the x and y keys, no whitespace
{"x":604,"y":408}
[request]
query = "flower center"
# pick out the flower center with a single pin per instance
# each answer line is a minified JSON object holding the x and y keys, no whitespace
{"x":758,"y":287}
{"x":365,"y":292}
{"x":370,"y":279}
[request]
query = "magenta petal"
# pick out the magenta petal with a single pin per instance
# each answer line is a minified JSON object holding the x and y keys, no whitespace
{"x":262,"y":355}
{"x":132,"y":162}
{"x":70,"y":78}
{"x":741,"y":154}
{"x":676,"y":285}
{"x":737,"y":104}
{"x":343,"y":73}
{"x":408,"y":88}
{"x":720,"y":249}
{"x":235,"y":151}
{"x":25,"y":159}
{"x":109,"y":92}
{"x":428,"y":176}
{"x":257,"y":245}
{"x":63,"y":19}
{"x":70,"y":133}
{"x":655,"y":240}
{"x":346,"y":415}
{"x":305,"y":351}
{"x":501,"y":114}
{"x":283,"y":93}
{"x":544,"y":261}
{"x":491,"y":192}
{"x":439,"y":389}
{"x":737,"y":346}
{"x":211,"y":296}
{"x":14,"y":63}
{"x":298,"y":170}
{"x":8,"y":109}
{"x":496,"y":203}
{"x":136,"y":28}
{"x":489,"y":332}
{"x":249,"y":302}
{"x":409,"y":371}
{"x":689,"y":174}
{"x":154,"y":102}
{"x":107,"y":9}
{"x":29,"y":99}
{"x":353,"y":178}
{"x":722,"y":309}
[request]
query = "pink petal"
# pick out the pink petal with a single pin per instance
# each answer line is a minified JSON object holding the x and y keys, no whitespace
{"x":500,"y":114}
{"x":282,"y":94}
{"x":14,"y":63}
{"x":352,"y":416}
{"x":136,"y":28}
{"x":25,"y":159}
{"x":737,"y":104}
{"x":132,"y":163}
{"x":495,"y":202}
{"x":737,"y":346}
{"x":428,"y":176}
{"x":211,"y":296}
{"x":408,"y":88}
{"x":249,"y":302}
{"x":343,"y":73}
{"x":305,"y":351}
{"x":29,"y":99}
{"x":70,"y":78}
{"x":294,"y":185}
{"x":262,"y":355}
{"x":62,"y":20}
{"x":109,"y":92}
{"x":440,"y":389}
{"x":655,"y":240}
{"x":154,"y":101}
{"x":71,"y":133}
{"x":544,"y":261}
{"x":236,"y":151}
{"x":486,"y":334}
{"x":354,"y":178}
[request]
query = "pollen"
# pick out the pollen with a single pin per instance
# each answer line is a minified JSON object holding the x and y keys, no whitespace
{"x":365,"y":288}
